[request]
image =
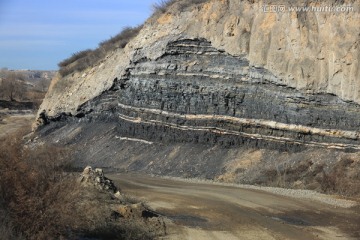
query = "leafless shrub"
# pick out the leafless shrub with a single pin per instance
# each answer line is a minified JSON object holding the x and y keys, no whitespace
{"x":163,"y":6}
{"x":343,"y":178}
{"x":12,"y":86}
{"x":34,"y":190}
{"x":76,"y":56}
{"x":6,"y":228}
{"x":40,"y":200}
{"x":81,"y":60}
{"x":188,"y":3}
{"x":87,"y":58}
{"x":121,"y":39}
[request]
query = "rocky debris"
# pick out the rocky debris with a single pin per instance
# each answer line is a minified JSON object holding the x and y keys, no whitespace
{"x":226,"y":74}
{"x":100,"y":201}
{"x":97,"y":178}
{"x":150,"y":220}
{"x":135,"y":211}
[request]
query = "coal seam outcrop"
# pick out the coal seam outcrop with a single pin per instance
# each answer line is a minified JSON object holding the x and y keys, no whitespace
{"x":197,"y":93}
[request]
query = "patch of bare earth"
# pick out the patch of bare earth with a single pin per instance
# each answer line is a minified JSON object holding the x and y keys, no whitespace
{"x":209,"y":211}
{"x":9,"y":124}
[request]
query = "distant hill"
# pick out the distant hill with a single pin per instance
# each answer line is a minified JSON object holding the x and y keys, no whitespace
{"x":33,"y":77}
{"x":21,"y":86}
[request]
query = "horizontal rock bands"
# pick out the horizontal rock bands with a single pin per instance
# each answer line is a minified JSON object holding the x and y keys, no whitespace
{"x":252,"y":127}
{"x":353,"y":135}
{"x":197,"y":93}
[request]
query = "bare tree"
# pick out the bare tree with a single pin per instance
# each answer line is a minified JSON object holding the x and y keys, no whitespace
{"x":12,"y":86}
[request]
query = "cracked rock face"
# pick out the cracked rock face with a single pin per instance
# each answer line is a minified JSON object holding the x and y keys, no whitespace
{"x":316,"y":52}
{"x":197,"y":93}
{"x":223,"y":73}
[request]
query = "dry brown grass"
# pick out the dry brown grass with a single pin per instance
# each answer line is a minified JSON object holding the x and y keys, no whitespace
{"x":163,"y":6}
{"x":35,"y":193}
{"x":120,"y":40}
{"x":74,"y":57}
{"x":40,"y":200}
{"x":343,"y":178}
{"x":81,"y":60}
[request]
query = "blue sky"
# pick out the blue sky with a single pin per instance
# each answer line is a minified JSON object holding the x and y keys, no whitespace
{"x":37,"y":34}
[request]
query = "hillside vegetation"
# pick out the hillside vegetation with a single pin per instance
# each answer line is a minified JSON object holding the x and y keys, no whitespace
{"x":42,"y":198}
{"x":86,"y":58}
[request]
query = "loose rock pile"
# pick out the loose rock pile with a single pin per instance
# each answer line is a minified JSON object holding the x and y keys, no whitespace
{"x":97,"y":178}
{"x":122,"y":212}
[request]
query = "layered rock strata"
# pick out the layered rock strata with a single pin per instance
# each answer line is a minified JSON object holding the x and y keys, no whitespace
{"x":193,"y":87}
{"x":223,"y":73}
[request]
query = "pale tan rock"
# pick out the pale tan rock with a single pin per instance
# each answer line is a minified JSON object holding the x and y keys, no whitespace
{"x":317,"y":52}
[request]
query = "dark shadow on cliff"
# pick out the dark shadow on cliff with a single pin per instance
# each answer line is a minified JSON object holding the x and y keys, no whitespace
{"x":101,"y":144}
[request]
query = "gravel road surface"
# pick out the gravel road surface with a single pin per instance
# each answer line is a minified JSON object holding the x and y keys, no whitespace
{"x":213,"y":211}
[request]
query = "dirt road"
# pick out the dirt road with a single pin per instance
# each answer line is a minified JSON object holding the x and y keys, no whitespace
{"x":11,"y":123}
{"x":207,"y":211}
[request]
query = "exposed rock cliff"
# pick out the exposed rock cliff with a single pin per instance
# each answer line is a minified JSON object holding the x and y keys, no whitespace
{"x":317,"y":52}
{"x":224,"y":72}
